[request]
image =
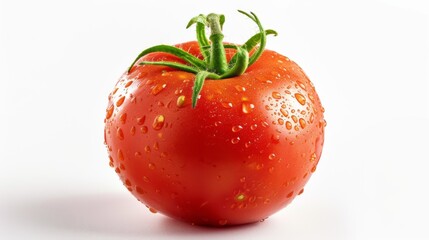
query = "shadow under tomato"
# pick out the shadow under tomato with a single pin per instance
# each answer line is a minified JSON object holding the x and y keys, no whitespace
{"x":104,"y":214}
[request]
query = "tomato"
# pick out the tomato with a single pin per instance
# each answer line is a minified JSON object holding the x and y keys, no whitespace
{"x":242,"y":153}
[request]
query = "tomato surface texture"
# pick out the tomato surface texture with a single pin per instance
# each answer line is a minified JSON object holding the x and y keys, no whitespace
{"x":245,"y":151}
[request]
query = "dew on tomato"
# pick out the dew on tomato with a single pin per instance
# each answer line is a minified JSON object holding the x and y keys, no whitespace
{"x":237,"y":128}
{"x":120,"y":101}
{"x":158,"y":122}
{"x":158,"y":88}
{"x":235,"y":140}
{"x":302,"y":123}
{"x":213,"y":145}
{"x":276,"y":95}
{"x":120,"y":134}
{"x":109,"y":111}
{"x":247,"y":107}
{"x":180,"y":101}
{"x":284,"y":112}
{"x":151,"y":166}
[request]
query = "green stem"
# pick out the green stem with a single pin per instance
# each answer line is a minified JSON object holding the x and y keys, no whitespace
{"x":203,"y":42}
{"x":174,"y":51}
{"x":215,"y":65}
{"x":218,"y":63}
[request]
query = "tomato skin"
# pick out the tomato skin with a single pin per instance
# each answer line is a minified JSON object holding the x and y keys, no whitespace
{"x":245,"y":152}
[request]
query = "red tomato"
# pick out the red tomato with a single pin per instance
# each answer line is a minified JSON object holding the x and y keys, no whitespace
{"x":244,"y":152}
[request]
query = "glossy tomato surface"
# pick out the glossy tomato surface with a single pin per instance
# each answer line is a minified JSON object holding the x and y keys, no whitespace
{"x":245,"y":151}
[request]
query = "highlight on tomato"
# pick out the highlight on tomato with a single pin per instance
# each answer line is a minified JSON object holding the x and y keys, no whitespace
{"x":214,"y":133}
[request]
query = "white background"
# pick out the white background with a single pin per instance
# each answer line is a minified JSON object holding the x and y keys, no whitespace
{"x":369,"y":61}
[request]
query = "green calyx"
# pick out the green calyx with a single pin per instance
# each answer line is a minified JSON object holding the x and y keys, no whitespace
{"x":214,"y":65}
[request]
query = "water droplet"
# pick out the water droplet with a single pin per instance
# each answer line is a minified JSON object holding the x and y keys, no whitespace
{"x":123,"y":118}
{"x":158,"y":122}
{"x":300,"y":98}
{"x":128,"y":84}
{"x":117,"y":170}
{"x":285,"y":113}
{"x":240,"y":88}
{"x":301,"y":85}
{"x":120,"y":134}
{"x":313,"y":169}
{"x":147,"y":149}
{"x":120,"y":101}
{"x":235,"y":140}
{"x":313,"y":157}
{"x":244,"y":98}
{"x":158,"y":88}
{"x":296,"y":128}
{"x":294,"y":118}
{"x":140,"y":120}
{"x":122,"y":166}
{"x":139,"y":190}
{"x":178,"y":91}
{"x":156,"y":146}
{"x":247,"y":107}
{"x":217,"y":123}
{"x":272,"y":156}
{"x":120,"y":155}
{"x":226,"y":104}
{"x":311,"y":118}
{"x":109,"y":111}
{"x":288,"y":125}
{"x":271,"y":169}
{"x":137,"y":154}
{"x":133,"y":130}
{"x":153,"y":210}
{"x":128,"y":182}
{"x":290,"y":195}
{"x":151,"y":166}
{"x":114,"y":91}
{"x":144,"y":129}
{"x":275,"y":138}
{"x":146,"y":179}
{"x":301,"y":191}
{"x":302,"y":123}
{"x":180,"y":101}
{"x":253,"y":126}
{"x":247,"y":144}
{"x":264,"y":124}
{"x":240,"y":197}
{"x":323,"y":109}
{"x":267,"y":200}
{"x":237,"y":128}
{"x":243,"y":179}
{"x":280,"y":121}
{"x":276,"y":95}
